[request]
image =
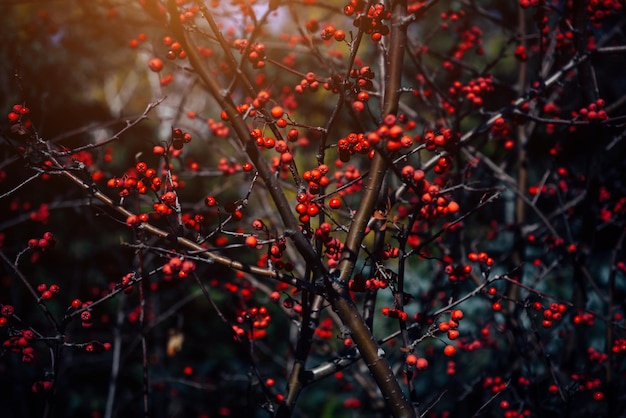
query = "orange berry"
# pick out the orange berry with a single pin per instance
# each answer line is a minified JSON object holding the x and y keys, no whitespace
{"x":422,"y":363}
{"x":453,"y":334}
{"x":334,"y":203}
{"x":251,"y":241}
{"x":155,"y":64}
{"x":457,"y":314}
{"x":449,"y":350}
{"x":277,"y":111}
{"x":453,"y":207}
{"x":411,"y":359}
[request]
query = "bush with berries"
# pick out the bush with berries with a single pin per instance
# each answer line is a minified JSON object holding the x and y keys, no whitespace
{"x":312,"y":208}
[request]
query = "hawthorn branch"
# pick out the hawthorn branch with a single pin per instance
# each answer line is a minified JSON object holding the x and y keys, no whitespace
{"x":238,"y":71}
{"x":129,"y":124}
{"x":549,"y":82}
{"x":184,"y":242}
{"x":247,"y":143}
{"x":341,"y":300}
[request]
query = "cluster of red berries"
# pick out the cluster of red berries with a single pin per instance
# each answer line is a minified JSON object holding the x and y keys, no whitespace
{"x":524,"y":4}
{"x":46,"y":242}
{"x":129,"y":181}
{"x":180,"y":138}
{"x":229,"y":167}
{"x":458,"y":273}
{"x":481,"y":257}
{"x":593,"y":112}
{"x":553,"y":313}
{"x":390,"y":252}
{"x":330,"y":32}
{"x":291,"y":303}
{"x":360,"y":284}
{"x":258,"y":319}
{"x":309,"y":82}
{"x":420,"y":363}
{"x":18,"y":114}
{"x":325,"y":329}
{"x":263,"y":141}
{"x":496,"y":383}
{"x":395,"y":313}
{"x":596,"y":356}
{"x":352,"y":144}
{"x":42,"y":214}
{"x":316,"y":178}
{"x":193,"y":222}
{"x":41,"y":386}
{"x":584,"y":318}
{"x":352,"y":403}
{"x":333,"y":246}
{"x":97,"y":347}
{"x":256,"y":52}
{"x":598,"y":10}
{"x":218,"y":128}
{"x":619,"y":346}
{"x":470,"y":37}
{"x":20,"y":343}
{"x":473,"y":91}
{"x":433,"y":203}
{"x":361,"y":81}
{"x":176,"y":50}
{"x":282,"y":147}
{"x":372,"y":22}
{"x":6,"y":312}
{"x":276,"y":253}
{"x":393,"y":131}
{"x":450,"y":327}
{"x":445,"y":138}
{"x":179,"y":267}
{"x":134,"y":43}
{"x":521,"y":53}
{"x":306,"y":208}
{"x":606,"y":213}
{"x":351,"y":175}
{"x":127,"y":282}
{"x":586,"y":382}
{"x":47,"y":292}
{"x":501,"y":130}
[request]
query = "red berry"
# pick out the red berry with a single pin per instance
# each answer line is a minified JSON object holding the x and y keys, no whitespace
{"x":449,"y":350}
{"x":210,"y":201}
{"x":277,"y":112}
{"x":155,"y":64}
{"x":7,"y":310}
{"x":457,"y":314}
{"x":251,"y":241}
